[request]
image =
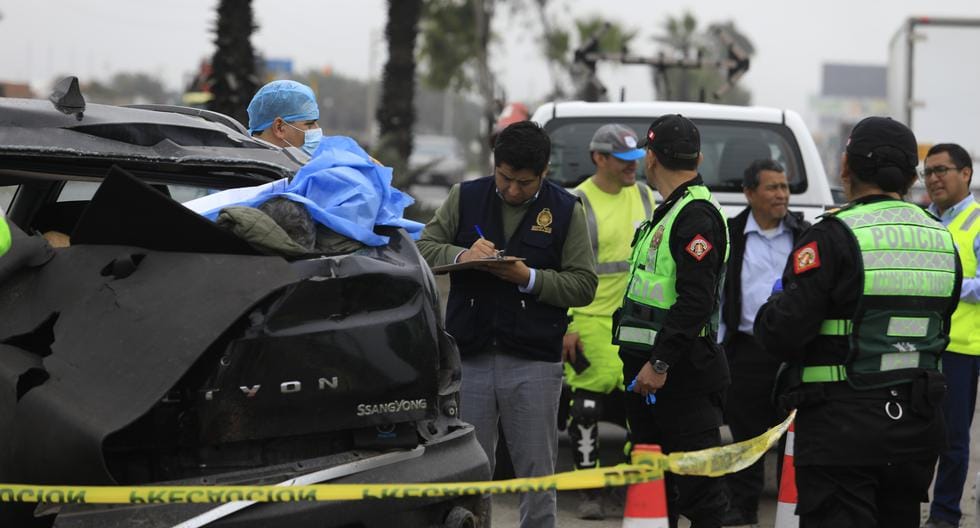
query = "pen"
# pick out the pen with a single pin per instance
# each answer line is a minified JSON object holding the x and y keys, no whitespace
{"x":499,"y":255}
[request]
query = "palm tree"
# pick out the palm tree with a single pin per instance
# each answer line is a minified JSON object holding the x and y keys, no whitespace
{"x":396,"y":111}
{"x":685,"y":42}
{"x":455,"y":38}
{"x":681,"y":39}
{"x":233,"y":78}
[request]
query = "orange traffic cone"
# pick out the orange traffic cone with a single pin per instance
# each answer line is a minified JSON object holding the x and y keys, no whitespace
{"x":786,"y":504}
{"x":646,"y":503}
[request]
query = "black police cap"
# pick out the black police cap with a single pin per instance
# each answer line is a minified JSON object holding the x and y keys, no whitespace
{"x":885,"y":143}
{"x":674,"y":136}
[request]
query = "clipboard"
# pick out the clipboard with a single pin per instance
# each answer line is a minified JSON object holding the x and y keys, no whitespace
{"x":472,"y":264}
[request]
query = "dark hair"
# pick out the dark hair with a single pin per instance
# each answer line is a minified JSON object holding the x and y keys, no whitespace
{"x":293,"y":218}
{"x":888,"y":176}
{"x":959,"y":155}
{"x":523,"y":145}
{"x":675,"y":164}
{"x":750,"y":178}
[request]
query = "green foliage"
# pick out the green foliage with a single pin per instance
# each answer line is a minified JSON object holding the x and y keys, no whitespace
{"x":557,"y":46}
{"x":687,"y":85}
{"x":681,"y":32}
{"x":684,"y":40}
{"x":448,"y":45}
{"x":615,"y":38}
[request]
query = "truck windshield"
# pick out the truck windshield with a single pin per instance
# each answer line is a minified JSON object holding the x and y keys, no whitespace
{"x":729,"y":147}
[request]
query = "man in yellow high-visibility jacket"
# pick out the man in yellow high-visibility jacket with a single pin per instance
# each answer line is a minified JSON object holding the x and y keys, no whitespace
{"x":615,"y":205}
{"x":948,"y":170}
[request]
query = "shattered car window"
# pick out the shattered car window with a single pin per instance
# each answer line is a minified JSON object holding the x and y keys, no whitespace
{"x":7,"y":196}
{"x":75,"y":191}
{"x":83,"y":191}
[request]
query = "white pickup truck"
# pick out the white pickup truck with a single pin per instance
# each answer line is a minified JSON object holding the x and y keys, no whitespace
{"x":731,"y":138}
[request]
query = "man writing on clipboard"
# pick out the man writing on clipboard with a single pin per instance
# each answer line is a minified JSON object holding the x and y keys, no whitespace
{"x":509,"y":316}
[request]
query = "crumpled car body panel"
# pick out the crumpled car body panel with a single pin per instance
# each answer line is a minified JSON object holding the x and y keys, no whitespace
{"x":159,"y":347}
{"x":102,"y":343}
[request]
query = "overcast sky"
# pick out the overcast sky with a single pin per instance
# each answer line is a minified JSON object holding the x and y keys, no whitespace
{"x":93,"y":39}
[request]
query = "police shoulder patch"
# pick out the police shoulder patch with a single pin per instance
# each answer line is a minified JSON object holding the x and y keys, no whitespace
{"x":806,"y":258}
{"x":699,"y":247}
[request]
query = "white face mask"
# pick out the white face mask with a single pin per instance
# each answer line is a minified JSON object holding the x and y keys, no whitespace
{"x":311,"y":139}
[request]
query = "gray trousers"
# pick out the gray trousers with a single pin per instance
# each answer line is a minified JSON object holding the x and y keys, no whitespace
{"x":522,"y":395}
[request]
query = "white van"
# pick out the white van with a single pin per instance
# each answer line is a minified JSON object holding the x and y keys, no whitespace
{"x":731,"y":138}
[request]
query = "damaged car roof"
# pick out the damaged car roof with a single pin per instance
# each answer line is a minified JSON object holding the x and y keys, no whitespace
{"x":36,"y":139}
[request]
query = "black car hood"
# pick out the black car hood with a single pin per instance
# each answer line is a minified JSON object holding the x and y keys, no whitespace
{"x":35,"y":138}
{"x":95,"y":335}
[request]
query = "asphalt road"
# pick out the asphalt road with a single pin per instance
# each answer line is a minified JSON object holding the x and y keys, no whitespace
{"x":505,"y":507}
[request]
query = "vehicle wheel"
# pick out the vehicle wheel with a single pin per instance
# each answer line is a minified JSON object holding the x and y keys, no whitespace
{"x":460,"y":518}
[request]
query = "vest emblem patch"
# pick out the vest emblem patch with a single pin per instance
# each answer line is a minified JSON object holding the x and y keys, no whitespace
{"x":806,"y":258}
{"x":699,"y":247}
{"x":543,"y":221}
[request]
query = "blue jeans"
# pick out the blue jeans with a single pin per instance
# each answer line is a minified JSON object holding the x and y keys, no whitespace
{"x":522,"y":395}
{"x":961,"y":397}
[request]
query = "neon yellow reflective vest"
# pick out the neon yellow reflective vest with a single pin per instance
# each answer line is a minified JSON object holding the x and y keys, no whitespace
{"x":4,"y":235}
{"x":964,"y":335}
{"x":652,"y":286}
{"x":908,"y":262}
{"x":612,"y":220}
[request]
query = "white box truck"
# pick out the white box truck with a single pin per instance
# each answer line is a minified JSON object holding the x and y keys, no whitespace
{"x":933,"y":75}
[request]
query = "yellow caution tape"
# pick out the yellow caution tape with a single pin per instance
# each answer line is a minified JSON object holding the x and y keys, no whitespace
{"x":645,"y":467}
{"x":718,"y":461}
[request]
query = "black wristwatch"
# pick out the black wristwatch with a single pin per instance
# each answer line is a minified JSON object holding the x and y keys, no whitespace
{"x":660,"y":367}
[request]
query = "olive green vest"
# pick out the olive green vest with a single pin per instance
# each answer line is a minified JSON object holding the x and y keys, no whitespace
{"x":908,"y":269}
{"x":652,"y":287}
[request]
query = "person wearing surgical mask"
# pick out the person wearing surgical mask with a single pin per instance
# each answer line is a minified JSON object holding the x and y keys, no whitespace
{"x":285,"y":113}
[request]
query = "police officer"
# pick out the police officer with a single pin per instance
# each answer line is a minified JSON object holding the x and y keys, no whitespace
{"x":862,"y":320}
{"x":615,"y":205}
{"x":667,"y":324}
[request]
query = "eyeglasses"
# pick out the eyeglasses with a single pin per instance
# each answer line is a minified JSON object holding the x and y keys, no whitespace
{"x":938,"y":170}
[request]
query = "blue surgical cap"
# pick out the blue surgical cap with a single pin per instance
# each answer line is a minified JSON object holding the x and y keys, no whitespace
{"x":290,"y":100}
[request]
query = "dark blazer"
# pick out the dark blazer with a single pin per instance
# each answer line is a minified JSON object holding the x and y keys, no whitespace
{"x":731,"y":312}
{"x":483,"y":309}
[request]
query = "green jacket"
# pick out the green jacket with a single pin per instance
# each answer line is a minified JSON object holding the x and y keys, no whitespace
{"x":574,"y":285}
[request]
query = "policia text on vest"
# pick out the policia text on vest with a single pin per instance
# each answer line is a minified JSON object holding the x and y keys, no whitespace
{"x":868,"y":293}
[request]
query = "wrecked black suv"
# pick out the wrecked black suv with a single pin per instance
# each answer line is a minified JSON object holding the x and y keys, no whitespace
{"x":157,"y":347}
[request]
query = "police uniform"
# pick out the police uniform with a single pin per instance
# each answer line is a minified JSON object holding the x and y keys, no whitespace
{"x":862,"y":321}
{"x":670,"y":315}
